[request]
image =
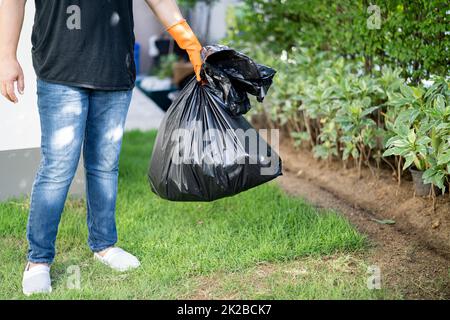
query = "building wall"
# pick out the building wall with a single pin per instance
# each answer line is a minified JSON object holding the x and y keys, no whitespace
{"x":145,"y":25}
{"x":20,"y":135}
{"x":217,"y":25}
{"x":19,"y":124}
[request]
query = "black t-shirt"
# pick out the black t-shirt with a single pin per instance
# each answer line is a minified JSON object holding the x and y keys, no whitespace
{"x":86,"y":43}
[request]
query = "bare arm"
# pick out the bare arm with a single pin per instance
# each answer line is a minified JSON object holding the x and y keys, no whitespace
{"x":167,"y":11}
{"x":11,"y":19}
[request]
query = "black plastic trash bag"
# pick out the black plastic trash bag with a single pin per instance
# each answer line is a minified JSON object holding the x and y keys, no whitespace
{"x":205,"y":149}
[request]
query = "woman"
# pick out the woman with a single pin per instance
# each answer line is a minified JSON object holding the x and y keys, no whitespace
{"x":83,"y":58}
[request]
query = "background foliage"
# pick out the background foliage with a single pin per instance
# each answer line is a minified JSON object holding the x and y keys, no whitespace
{"x":411,"y":34}
{"x":354,"y":85}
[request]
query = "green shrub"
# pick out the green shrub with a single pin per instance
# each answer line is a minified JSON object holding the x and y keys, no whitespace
{"x":410,"y":35}
{"x":353,"y":92}
{"x":165,"y":67}
{"x":421,"y":130}
{"x":348,"y":115}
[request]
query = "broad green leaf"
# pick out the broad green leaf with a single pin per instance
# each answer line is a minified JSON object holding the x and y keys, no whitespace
{"x":412,"y":136}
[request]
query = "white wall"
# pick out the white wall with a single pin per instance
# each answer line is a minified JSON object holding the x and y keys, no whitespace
{"x":145,"y":25}
{"x":217,"y":25}
{"x":19,"y":123}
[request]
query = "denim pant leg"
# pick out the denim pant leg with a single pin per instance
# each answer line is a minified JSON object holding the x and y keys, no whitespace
{"x":63,"y":112}
{"x":102,"y":143}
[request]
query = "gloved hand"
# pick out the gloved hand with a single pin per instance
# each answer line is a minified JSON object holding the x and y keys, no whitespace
{"x":170,"y":16}
{"x":182,"y":33}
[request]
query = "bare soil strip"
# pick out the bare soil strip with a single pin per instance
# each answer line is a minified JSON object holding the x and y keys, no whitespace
{"x":414,"y":253}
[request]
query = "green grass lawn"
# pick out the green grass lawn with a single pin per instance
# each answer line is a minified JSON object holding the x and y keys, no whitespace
{"x":259,"y":244}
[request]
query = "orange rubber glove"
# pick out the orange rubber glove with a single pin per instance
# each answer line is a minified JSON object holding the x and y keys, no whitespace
{"x":182,"y":33}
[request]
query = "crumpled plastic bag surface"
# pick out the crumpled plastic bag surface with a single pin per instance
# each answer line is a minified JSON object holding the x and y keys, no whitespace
{"x":205,"y":149}
{"x":233,"y":75}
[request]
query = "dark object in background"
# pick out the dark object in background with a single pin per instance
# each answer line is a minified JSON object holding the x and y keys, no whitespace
{"x":137,"y":58}
{"x":163,"y":98}
{"x":168,"y":46}
{"x":160,"y":97}
{"x":201,"y":152}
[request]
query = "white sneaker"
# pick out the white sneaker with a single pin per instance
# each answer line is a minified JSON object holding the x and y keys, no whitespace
{"x":118,"y":259}
{"x":36,"y":280}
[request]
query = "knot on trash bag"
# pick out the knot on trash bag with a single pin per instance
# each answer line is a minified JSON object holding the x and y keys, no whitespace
{"x":232,"y":75}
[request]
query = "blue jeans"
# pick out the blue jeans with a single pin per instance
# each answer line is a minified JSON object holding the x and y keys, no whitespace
{"x":70,"y":118}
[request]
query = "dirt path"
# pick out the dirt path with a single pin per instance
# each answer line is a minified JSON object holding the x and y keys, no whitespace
{"x":409,"y":261}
